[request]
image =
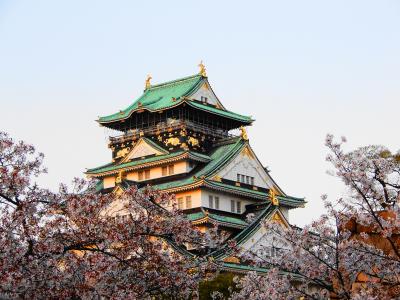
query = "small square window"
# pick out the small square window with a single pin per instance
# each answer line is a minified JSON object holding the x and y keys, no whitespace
{"x":147,"y":174}
{"x":232,"y":206}
{"x":171,"y":169}
{"x":188,"y":202}
{"x":216,"y":202}
{"x":140,"y":175}
{"x":164,"y":171}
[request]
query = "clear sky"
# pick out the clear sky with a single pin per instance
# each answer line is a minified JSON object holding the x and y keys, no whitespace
{"x":300,"y":68}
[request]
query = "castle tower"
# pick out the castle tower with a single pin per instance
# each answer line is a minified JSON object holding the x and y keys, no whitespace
{"x":179,"y":138}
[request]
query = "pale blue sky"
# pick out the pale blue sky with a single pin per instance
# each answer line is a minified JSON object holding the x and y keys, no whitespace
{"x":300,"y":68}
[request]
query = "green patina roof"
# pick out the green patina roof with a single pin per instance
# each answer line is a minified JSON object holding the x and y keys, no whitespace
{"x":170,"y":94}
{"x":220,"y":112}
{"x":283,"y":199}
{"x":217,"y":217}
{"x":113,"y":166}
{"x":218,"y":157}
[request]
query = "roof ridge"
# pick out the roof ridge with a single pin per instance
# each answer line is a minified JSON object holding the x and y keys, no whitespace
{"x":162,"y":84}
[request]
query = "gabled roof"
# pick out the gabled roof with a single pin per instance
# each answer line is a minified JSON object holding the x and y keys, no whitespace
{"x":203,"y":177}
{"x":142,"y":148}
{"x":246,"y":233}
{"x":113,"y":168}
{"x":171,"y":94}
{"x":205,"y":216}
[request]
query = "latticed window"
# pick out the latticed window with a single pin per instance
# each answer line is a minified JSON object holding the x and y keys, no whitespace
{"x":180,"y":203}
{"x":232,"y":205}
{"x":239,"y":207}
{"x":147,"y":174}
{"x":164,"y":171}
{"x":216,"y":199}
{"x":188,"y":202}
{"x":140,"y":175}
{"x":210,"y":201}
{"x":171,"y":169}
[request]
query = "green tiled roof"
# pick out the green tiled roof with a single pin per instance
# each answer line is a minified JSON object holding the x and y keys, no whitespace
{"x":158,"y":97}
{"x":220,"y":112}
{"x":217,"y":217}
{"x":285,"y":200}
{"x":218,"y":158}
{"x":228,"y":219}
{"x":114,"y":167}
{"x":170,"y":94}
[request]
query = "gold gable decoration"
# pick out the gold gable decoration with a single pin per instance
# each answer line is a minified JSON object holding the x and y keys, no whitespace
{"x":278,"y":219}
{"x":272,"y":197}
{"x":122,"y":153}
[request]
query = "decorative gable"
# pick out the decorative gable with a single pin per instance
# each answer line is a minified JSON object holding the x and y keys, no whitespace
{"x":205,"y":93}
{"x":143,"y":148}
{"x":247,"y":164}
{"x":266,"y":240}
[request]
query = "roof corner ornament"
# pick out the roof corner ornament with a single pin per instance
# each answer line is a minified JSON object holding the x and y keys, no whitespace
{"x":202,"y":71}
{"x":272,"y":197}
{"x":148,"y":84}
{"x":243,"y":133}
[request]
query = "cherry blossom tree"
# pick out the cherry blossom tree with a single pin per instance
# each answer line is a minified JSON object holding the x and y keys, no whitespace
{"x":64,"y":245}
{"x":352,"y":251}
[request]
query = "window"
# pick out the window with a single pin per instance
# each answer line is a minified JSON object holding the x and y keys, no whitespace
{"x":188,"y":202}
{"x":140,"y":175}
{"x":180,"y":203}
{"x":238,"y":207}
{"x":147,"y":174}
{"x":204,"y":99}
{"x":245,"y":179}
{"x":171,"y":169}
{"x":210,"y":202}
{"x":216,"y":199}
{"x":232,"y":206}
{"x":164,"y":171}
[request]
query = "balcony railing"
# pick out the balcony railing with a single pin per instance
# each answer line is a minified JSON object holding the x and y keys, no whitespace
{"x":171,"y":126}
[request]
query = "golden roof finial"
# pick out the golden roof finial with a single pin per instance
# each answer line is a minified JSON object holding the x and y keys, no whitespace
{"x":243,"y":133}
{"x":148,"y":85}
{"x":202,"y":71}
{"x":272,"y":196}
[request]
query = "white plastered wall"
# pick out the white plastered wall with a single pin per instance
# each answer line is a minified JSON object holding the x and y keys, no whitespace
{"x":224,"y":200}
{"x":205,"y":91}
{"x":245,"y":163}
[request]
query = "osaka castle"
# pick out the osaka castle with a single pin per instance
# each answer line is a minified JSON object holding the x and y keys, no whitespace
{"x":178,"y":137}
